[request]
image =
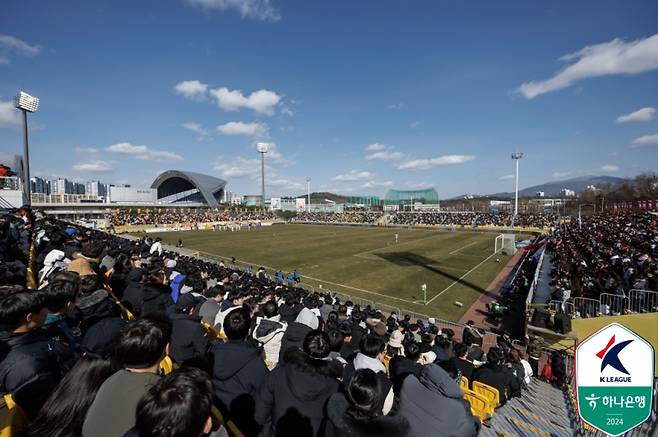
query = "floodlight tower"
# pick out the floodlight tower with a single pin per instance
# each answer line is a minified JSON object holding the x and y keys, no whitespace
{"x":262,"y":149}
{"x":26,"y":103}
{"x":516,"y":156}
{"x":308,"y":194}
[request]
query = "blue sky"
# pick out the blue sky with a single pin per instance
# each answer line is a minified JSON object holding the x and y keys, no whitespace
{"x":359,"y":95}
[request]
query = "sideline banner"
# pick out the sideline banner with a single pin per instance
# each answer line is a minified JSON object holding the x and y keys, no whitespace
{"x":614,"y":379}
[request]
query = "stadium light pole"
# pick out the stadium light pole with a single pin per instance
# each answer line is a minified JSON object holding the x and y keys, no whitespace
{"x":516,"y":156}
{"x":308,"y":194}
{"x":262,"y":149}
{"x":26,"y":103}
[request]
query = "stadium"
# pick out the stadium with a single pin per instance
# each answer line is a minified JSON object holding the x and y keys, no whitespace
{"x":244,"y":253}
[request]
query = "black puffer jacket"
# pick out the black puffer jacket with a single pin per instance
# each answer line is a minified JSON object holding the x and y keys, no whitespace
{"x":293,"y":337}
{"x":188,"y":339}
{"x":101,"y":322}
{"x":291,"y":401}
{"x":500,"y":378}
{"x":340,"y":423}
{"x":29,"y":368}
{"x":156,"y":298}
{"x":238,"y":370}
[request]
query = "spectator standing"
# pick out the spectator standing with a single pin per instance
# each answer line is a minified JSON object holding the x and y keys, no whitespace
{"x":269,"y":332}
{"x":357,"y":413}
{"x":138,"y":352}
{"x":188,"y":338}
{"x":449,"y":415}
{"x":494,"y":374}
{"x":294,"y":394}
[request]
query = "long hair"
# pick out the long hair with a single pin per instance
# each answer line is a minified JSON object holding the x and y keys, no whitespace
{"x":64,"y":412}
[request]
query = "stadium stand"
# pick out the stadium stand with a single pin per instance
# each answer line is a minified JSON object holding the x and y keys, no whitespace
{"x":81,"y":297}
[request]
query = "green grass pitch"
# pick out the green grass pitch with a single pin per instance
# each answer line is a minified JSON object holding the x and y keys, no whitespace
{"x":366,"y":262}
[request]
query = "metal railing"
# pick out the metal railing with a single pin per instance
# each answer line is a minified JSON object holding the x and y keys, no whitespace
{"x":613,"y":304}
{"x":643,"y":301}
{"x":562,"y":307}
{"x":586,"y":307}
{"x":10,"y":183}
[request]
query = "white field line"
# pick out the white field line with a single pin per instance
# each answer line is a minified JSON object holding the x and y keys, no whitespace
{"x":456,"y":251}
{"x":462,"y":277}
{"x":360,"y":254}
{"x":314,"y":279}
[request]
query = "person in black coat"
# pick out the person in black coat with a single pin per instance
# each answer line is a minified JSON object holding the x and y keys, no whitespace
{"x":28,"y":357}
{"x":356,"y":413}
{"x":291,"y":401}
{"x":238,"y":371}
{"x":294,"y":336}
{"x":402,"y":366}
{"x":101,"y":321}
{"x":461,"y":361}
{"x":154,"y":296}
{"x":188,"y":338}
{"x":494,"y":374}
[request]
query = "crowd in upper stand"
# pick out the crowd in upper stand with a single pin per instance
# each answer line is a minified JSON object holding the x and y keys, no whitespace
{"x":468,"y":219}
{"x":285,"y":361}
{"x":170,"y":216}
{"x":607,"y":253}
{"x":338,"y":217}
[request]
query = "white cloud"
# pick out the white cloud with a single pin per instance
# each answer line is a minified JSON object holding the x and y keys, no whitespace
{"x":275,"y":155}
{"x":414,"y":124}
{"x":385,"y":155}
{"x":94,"y":167}
{"x":377,"y":184}
{"x":197,"y":129}
{"x":142,"y":152}
{"x":613,"y":57}
{"x":646,"y":141}
{"x":375,"y":147}
{"x":257,"y":130}
{"x":410,"y":184}
{"x":561,"y":174}
{"x":353,"y":175}
{"x":261,"y":10}
{"x":191,"y":89}
{"x":506,"y":177}
{"x":86,"y":150}
{"x":426,"y":164}
{"x":396,"y":106}
{"x":261,"y":101}
{"x":239,"y":167}
{"x":610,"y":168}
{"x":287,"y":111}
{"x":19,"y":46}
{"x":9,"y":116}
{"x":644,"y":114}
{"x":283,"y":183}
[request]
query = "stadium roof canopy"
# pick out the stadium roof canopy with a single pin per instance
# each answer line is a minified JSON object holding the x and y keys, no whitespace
{"x":400,"y":197}
{"x":176,"y":186}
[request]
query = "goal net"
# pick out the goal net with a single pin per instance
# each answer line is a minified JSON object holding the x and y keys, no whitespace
{"x":505,"y":243}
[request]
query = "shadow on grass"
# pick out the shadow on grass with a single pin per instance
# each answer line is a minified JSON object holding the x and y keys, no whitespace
{"x":409,"y":259}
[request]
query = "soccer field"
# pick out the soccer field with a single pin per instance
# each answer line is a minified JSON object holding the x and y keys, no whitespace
{"x":366,"y":262}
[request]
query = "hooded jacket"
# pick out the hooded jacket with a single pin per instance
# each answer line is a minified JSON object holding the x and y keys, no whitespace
{"x":101,"y":322}
{"x":155,"y":299}
{"x":292,"y":399}
{"x":434,"y":405}
{"x":238,"y":372}
{"x":269,"y":333}
{"x":188,"y":338}
{"x":498,"y":377}
{"x":341,"y":423}
{"x":399,"y":368}
{"x":29,"y":368}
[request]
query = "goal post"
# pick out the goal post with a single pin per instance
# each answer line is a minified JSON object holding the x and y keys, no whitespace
{"x":505,"y":243}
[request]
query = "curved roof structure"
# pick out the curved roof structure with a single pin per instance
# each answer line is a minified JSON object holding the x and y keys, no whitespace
{"x":428,"y":196}
{"x":176,"y":186}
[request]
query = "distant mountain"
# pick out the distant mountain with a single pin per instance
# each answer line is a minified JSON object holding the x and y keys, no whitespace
{"x":550,"y":189}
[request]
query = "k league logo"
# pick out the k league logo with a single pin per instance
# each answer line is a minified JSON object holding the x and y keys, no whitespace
{"x":614,"y":379}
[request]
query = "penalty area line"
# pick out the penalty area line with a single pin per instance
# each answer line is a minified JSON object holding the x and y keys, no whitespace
{"x":459,"y":280}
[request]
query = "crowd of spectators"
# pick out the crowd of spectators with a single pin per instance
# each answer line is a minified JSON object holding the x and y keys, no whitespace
{"x":170,"y":216}
{"x":338,"y":217}
{"x":606,"y":253}
{"x":284,"y":361}
{"x":473,"y":219}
